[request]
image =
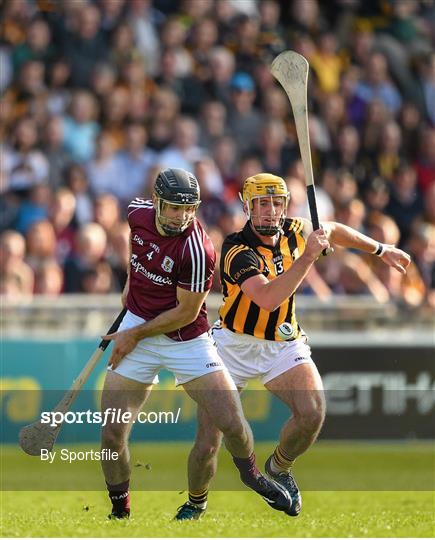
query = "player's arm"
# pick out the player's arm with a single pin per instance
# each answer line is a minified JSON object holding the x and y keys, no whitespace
{"x":269,"y":295}
{"x":184,"y":313}
{"x":344,"y":236}
{"x":341,"y":235}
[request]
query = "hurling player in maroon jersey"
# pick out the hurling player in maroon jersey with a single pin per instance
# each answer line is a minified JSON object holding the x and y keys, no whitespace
{"x":171,"y":270}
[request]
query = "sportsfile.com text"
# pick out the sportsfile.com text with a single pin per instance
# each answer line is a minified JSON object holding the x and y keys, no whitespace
{"x":109,"y":416}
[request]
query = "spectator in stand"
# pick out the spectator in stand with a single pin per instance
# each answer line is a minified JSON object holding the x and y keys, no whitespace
{"x":23,"y":165}
{"x":103,"y":80}
{"x":410,"y":121}
{"x":225,"y":156}
{"x":41,"y":243}
{"x":112,"y":14}
{"x":406,"y":201}
{"x":49,"y":279}
{"x":107,"y":212}
{"x":61,"y":213}
{"x":133,"y":163}
{"x":245,"y":122}
{"x":123,"y":47}
{"x":164,"y":108}
{"x":80,"y":128}
{"x":173,"y":36}
{"x":376,"y":118}
{"x":408,"y":289}
{"x":85,"y":45}
{"x":13,"y":269}
{"x":272,"y":33}
{"x":59,"y":93}
{"x":36,"y":47}
{"x":114,"y":115}
{"x":377,"y":194}
{"x":388,"y":158}
{"x":98,"y":280}
{"x":30,"y":90}
{"x":211,"y":187}
{"x":32,"y":208}
{"x":58,"y":158}
{"x":80,"y":268}
{"x":326,"y":63}
{"x":145,"y":20}
{"x":213,"y":123}
{"x":77,"y":181}
{"x":274,"y":151}
{"x":222,"y":66}
{"x":377,"y":85}
{"x":203,"y":37}
{"x":102,"y":171}
{"x":184,"y":150}
{"x":346,"y":154}
{"x":187,"y":86}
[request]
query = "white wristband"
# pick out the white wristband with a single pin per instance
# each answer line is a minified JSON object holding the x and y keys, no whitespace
{"x":380,"y":250}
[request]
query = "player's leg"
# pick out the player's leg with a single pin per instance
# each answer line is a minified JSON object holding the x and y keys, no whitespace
{"x":201,"y":467}
{"x":301,"y":389}
{"x":218,"y":396}
{"x":125,"y":395}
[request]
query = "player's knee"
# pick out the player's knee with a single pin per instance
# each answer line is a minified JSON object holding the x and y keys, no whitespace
{"x":113,"y":438}
{"x":311,"y":418}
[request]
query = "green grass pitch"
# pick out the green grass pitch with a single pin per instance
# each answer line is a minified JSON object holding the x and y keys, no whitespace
{"x":335,"y":478}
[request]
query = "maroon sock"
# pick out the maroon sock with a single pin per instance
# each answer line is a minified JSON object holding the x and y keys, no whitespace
{"x":120,"y":497}
{"x":247,"y":468}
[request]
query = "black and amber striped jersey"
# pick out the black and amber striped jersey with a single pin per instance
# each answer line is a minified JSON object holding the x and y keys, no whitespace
{"x":244,"y":256}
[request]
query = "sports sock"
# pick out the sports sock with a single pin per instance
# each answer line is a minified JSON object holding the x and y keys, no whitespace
{"x":199,"y":498}
{"x":280,"y":461}
{"x":120,"y":497}
{"x":248,"y":468}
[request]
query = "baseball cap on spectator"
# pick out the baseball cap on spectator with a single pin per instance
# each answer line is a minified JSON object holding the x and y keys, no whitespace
{"x":242,"y":82}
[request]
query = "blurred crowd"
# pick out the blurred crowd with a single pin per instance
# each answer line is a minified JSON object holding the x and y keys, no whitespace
{"x":97,"y":96}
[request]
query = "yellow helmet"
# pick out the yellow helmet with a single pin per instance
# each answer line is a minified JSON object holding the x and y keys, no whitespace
{"x":265,"y":185}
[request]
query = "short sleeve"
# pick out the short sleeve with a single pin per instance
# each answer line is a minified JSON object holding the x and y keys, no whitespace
{"x":241,"y":263}
{"x":198,"y":264}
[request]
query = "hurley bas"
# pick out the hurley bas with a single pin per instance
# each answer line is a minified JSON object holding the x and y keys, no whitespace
{"x":70,"y":456}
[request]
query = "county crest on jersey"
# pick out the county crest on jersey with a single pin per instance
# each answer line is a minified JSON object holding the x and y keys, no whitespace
{"x":159,"y":264}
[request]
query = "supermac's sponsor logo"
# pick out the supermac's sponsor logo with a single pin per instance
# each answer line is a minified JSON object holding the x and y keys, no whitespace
{"x":155,"y":278}
{"x":242,"y":271}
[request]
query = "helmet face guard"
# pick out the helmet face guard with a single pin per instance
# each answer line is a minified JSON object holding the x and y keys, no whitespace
{"x":176,"y":187}
{"x":263,"y":186}
{"x":167,"y":224}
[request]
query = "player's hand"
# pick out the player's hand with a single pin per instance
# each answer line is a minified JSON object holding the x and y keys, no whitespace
{"x":124,"y":343}
{"x":316,"y":243}
{"x":396,"y":258}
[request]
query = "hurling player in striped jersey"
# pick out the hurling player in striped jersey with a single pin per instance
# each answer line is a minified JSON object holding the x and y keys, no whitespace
{"x":170,"y":273}
{"x":258,"y":334}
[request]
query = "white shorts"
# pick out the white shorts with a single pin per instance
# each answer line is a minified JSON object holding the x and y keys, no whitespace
{"x":248,"y":357}
{"x":187,"y":360}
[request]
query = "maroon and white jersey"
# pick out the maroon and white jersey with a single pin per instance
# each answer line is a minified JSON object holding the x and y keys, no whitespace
{"x":159,"y":264}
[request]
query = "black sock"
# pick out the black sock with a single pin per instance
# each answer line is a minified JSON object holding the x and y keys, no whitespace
{"x":120,"y":497}
{"x":248,"y":468}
